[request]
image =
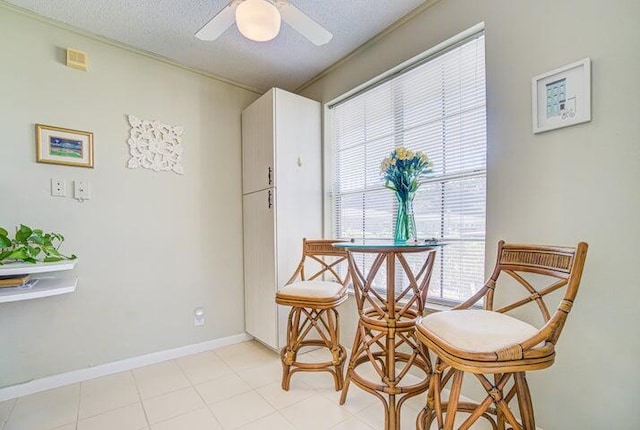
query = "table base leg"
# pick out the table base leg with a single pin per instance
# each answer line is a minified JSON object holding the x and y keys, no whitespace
{"x":367,"y":349}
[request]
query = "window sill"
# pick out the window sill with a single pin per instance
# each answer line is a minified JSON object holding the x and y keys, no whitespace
{"x":430,"y":308}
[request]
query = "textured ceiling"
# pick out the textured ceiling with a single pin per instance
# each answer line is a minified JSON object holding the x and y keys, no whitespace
{"x":167,"y":27}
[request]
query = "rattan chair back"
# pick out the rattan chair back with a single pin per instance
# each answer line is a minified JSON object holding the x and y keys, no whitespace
{"x":322,"y":261}
{"x":559,"y":267}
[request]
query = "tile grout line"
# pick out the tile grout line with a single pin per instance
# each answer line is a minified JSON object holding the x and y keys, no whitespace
{"x":191,"y":385}
{"x":170,"y":392}
{"x":78,"y":406}
{"x":4,"y":424}
{"x":252,"y":389}
{"x":144,"y":411}
{"x":109,"y":410}
{"x":316,"y":392}
{"x":206,"y":406}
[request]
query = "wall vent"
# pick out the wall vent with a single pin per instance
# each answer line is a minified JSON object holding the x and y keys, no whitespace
{"x":76,"y":59}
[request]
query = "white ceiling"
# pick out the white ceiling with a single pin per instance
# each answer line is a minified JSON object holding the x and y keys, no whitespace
{"x":166,"y":28}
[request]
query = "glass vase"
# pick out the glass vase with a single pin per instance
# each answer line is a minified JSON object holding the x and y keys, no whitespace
{"x":405,"y":222}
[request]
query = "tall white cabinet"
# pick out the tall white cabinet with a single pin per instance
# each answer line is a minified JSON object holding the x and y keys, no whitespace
{"x":282,"y":202}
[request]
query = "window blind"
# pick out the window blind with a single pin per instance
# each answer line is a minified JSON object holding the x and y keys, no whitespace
{"x":437,"y":106}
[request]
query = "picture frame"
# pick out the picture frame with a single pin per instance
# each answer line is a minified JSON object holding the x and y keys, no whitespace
{"x":562,"y":97}
{"x":64,"y":146}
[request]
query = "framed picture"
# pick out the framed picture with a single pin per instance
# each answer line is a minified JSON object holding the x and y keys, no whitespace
{"x":562,"y":97}
{"x":56,"y":145}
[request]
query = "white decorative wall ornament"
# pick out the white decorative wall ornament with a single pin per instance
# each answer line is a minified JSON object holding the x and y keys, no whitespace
{"x":155,"y":146}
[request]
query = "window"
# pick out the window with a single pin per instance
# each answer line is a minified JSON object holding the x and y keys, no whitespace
{"x":437,"y":105}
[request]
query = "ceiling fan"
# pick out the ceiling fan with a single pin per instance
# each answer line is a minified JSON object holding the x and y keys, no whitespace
{"x":260,"y":20}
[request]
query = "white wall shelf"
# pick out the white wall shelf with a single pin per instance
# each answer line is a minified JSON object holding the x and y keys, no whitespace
{"x":40,"y":286}
{"x":29,"y":268}
{"x":37,"y":288}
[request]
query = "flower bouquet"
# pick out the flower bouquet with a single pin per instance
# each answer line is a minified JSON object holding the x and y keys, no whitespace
{"x":401,"y":172}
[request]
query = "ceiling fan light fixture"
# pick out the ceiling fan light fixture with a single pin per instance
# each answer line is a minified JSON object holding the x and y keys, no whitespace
{"x":258,"y":20}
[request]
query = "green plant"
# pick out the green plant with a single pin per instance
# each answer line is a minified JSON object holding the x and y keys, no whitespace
{"x":31,"y":246}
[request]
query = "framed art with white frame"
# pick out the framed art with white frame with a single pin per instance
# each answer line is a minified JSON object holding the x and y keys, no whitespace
{"x":562,"y":97}
{"x":57,"y":145}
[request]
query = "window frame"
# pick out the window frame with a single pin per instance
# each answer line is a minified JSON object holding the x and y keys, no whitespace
{"x":328,"y":149}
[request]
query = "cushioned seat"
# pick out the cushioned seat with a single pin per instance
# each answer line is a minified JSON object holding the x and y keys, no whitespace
{"x":476,"y":330}
{"x":311,"y":290}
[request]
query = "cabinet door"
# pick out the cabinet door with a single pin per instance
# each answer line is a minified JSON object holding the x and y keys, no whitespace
{"x":261,"y":317}
{"x":258,"y":150}
{"x":298,"y":156}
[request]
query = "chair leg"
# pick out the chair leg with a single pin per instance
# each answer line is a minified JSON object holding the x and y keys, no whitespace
{"x":289,"y":352}
{"x":333,"y":319}
{"x":426,"y":415}
{"x":500,"y":419}
{"x":354,"y":355}
{"x":437,"y":376}
{"x":454,"y":398}
{"x":496,"y":394}
{"x":524,"y":402}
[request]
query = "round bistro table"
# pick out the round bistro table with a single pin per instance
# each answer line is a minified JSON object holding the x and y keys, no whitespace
{"x":385,"y":337}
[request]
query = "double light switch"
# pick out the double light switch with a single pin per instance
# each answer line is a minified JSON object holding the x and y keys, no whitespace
{"x":81,"y":189}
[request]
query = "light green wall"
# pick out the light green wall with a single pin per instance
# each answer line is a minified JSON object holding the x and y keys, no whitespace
{"x":152,"y":246}
{"x":560,"y":187}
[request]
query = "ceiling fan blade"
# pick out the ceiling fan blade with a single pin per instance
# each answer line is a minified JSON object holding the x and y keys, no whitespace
{"x":304,"y":25}
{"x":219,"y":23}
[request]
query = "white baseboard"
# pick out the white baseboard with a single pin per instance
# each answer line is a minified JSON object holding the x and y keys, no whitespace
{"x":55,"y":381}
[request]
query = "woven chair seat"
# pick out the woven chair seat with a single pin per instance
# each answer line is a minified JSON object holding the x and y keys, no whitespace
{"x":311,"y":291}
{"x":475,"y":330}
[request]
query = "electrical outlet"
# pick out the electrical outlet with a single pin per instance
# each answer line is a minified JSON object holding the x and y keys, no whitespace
{"x":198,"y":317}
{"x":58,"y":187}
{"x":81,"y":190}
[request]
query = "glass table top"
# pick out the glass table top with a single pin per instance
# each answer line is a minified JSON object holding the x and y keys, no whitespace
{"x":389,"y":244}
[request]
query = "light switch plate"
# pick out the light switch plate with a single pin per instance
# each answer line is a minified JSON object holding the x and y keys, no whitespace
{"x":81,"y":190}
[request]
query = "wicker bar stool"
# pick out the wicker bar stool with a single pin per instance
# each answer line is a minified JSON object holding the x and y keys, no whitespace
{"x":313,"y":301}
{"x":497,"y":348}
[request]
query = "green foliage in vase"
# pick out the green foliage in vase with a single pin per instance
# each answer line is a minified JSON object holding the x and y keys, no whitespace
{"x":31,"y":246}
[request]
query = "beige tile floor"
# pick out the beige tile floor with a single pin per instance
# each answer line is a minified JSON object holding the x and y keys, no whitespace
{"x":235,"y":387}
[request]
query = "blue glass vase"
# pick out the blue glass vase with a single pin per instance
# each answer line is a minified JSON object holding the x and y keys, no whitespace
{"x":405,"y":222}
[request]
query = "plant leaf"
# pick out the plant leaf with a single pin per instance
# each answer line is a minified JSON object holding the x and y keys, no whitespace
{"x":18,"y":254}
{"x":23,"y":233}
{"x":36,"y":238}
{"x":5,"y":242}
{"x":34,"y":250}
{"x":52,"y":259}
{"x":3,"y":232}
{"x":50,"y":250}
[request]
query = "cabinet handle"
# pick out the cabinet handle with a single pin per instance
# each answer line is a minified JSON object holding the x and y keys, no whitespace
{"x":269,"y":199}
{"x":269,"y":172}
